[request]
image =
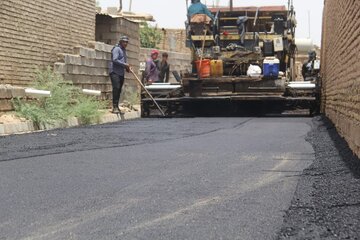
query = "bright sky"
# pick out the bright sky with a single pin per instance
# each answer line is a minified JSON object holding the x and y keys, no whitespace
{"x":172,"y":13}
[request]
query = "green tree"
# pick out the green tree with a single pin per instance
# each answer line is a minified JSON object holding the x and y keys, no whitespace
{"x":149,"y":36}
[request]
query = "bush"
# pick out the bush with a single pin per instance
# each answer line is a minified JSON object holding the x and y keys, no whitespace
{"x":66,"y":101}
{"x":87,"y":109}
{"x":132,"y":96}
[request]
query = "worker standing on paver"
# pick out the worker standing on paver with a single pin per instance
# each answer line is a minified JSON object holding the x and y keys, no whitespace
{"x":197,"y":7}
{"x":117,"y":68}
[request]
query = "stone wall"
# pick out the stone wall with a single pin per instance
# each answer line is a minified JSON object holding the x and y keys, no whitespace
{"x":33,"y":32}
{"x":181,"y":62}
{"x":341,"y":68}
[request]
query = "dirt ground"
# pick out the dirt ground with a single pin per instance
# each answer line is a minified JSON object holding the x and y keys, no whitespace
{"x":10,"y":117}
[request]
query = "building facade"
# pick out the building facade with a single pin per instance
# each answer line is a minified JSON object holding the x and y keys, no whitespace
{"x":33,"y":32}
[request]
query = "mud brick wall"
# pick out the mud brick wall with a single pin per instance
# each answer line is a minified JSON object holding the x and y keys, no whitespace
{"x":341,"y":68}
{"x":173,"y":40}
{"x":178,"y":61}
{"x":33,"y":32}
{"x":88,"y":66}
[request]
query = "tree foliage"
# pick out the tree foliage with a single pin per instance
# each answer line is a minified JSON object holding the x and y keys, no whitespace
{"x":149,"y":36}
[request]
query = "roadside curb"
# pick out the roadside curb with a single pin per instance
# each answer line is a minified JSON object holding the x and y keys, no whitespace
{"x":28,"y":126}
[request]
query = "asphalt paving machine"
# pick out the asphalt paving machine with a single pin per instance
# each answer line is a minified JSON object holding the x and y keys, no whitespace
{"x":243,"y":61}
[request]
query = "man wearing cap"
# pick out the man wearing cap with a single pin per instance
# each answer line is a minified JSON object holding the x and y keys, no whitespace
{"x":152,"y":68}
{"x":117,"y":68}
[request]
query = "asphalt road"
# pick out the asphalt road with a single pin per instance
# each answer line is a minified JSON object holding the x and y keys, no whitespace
{"x":197,"y":178}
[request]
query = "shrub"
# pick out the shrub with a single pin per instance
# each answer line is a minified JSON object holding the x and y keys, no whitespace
{"x":87,"y":108}
{"x":66,"y":100}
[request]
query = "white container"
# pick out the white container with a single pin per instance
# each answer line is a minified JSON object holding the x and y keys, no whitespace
{"x":317,"y":64}
{"x":304,"y":45}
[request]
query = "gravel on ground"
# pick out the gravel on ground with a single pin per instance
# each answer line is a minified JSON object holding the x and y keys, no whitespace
{"x":326,"y":204}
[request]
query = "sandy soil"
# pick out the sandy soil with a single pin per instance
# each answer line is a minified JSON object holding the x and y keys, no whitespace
{"x":10,"y":117}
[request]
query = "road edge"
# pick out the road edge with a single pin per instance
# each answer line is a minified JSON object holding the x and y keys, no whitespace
{"x":29,"y":126}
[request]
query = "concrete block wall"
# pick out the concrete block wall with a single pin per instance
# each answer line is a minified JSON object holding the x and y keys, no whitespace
{"x":33,"y":32}
{"x":7,"y":93}
{"x":88,"y":66}
{"x":108,"y":30}
{"x":340,"y":70}
{"x":173,"y":40}
{"x":180,"y":62}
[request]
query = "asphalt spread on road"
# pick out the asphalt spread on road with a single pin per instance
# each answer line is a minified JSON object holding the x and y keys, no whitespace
{"x":326,"y":204}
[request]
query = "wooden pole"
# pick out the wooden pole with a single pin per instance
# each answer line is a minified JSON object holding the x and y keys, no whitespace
{"x":202,"y":54}
{"x":142,"y":85}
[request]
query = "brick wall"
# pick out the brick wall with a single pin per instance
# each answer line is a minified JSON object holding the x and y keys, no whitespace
{"x":341,"y":68}
{"x":180,"y":62}
{"x":33,"y":32}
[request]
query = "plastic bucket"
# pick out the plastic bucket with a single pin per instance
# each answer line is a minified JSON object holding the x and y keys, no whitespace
{"x":205,"y":68}
{"x":216,"y":68}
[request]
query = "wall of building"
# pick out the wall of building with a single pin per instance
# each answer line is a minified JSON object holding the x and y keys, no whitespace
{"x":180,"y":62}
{"x":340,"y":71}
{"x":33,"y":32}
{"x":173,"y":40}
{"x":108,"y":31}
{"x":87,"y":68}
{"x":7,"y":93}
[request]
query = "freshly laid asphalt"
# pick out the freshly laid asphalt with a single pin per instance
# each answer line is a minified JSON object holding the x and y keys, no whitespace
{"x":196,"y":178}
{"x":326,"y":204}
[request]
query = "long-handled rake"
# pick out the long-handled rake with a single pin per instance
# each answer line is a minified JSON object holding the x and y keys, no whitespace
{"x":148,"y":93}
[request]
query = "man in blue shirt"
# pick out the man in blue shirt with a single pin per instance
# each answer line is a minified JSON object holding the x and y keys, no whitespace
{"x":197,"y":7}
{"x":117,"y":68}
